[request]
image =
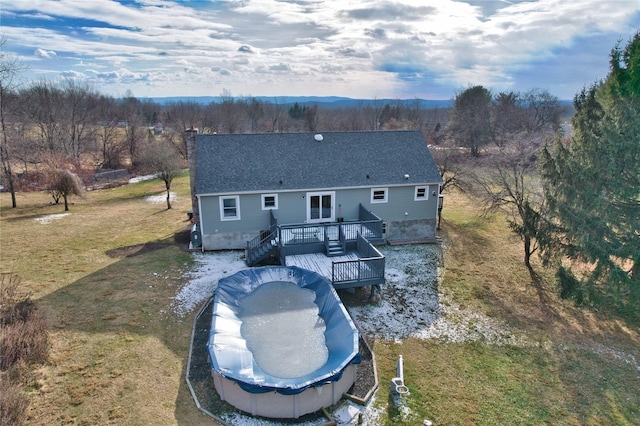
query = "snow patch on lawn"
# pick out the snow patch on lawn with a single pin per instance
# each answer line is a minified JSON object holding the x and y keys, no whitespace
{"x":410,"y":305}
{"x":209,"y":268}
{"x":239,"y":419}
{"x":45,"y":220}
{"x":141,"y":178}
{"x":158,"y":199}
{"x":369,"y":414}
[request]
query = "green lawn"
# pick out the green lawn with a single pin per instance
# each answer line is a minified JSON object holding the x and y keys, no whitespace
{"x":105,"y":274}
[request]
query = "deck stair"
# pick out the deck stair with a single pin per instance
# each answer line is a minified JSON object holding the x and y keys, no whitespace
{"x":335,"y":248}
{"x":263,"y":251}
{"x":335,"y":241}
{"x":262,"y":247}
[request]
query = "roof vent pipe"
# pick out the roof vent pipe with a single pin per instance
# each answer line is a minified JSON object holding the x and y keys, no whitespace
{"x":318,"y":137}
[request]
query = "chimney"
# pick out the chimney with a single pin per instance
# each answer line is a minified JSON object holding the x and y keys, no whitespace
{"x":191,"y":158}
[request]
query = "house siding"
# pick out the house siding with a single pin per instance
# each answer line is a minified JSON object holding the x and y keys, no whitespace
{"x":406,"y":218}
{"x":231,"y":234}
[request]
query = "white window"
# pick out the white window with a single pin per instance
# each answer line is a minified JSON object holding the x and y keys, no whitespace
{"x":230,"y":208}
{"x":269,"y":201}
{"x":422,"y":193}
{"x":379,"y":195}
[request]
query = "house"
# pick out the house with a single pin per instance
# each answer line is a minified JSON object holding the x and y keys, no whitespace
{"x":242,"y":183}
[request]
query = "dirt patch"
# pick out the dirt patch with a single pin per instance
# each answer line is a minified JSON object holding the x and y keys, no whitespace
{"x":135,"y":250}
{"x":183,"y":237}
{"x":365,"y":382}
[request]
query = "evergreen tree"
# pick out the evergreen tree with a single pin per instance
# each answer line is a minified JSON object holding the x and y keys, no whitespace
{"x":297,"y":112}
{"x":592,"y":188}
{"x":470,"y":124}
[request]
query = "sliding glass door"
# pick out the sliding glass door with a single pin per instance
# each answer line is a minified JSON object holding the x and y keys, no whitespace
{"x":321,"y":206}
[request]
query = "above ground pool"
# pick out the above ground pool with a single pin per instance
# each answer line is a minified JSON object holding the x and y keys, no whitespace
{"x":308,"y":360}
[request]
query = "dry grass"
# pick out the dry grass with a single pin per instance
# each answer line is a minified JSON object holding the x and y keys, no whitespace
{"x":104,"y":275}
{"x":23,"y":342}
{"x":485,"y":268}
{"x":579,"y":367}
{"x":23,"y":336}
{"x":13,"y":403}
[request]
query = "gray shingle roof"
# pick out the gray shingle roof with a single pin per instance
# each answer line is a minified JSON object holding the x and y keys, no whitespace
{"x":231,"y":163}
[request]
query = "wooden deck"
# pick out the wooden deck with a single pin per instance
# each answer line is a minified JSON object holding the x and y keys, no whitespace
{"x":317,"y":248}
{"x":318,"y":262}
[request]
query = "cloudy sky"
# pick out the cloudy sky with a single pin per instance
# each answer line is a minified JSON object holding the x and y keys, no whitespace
{"x":358,"y":48}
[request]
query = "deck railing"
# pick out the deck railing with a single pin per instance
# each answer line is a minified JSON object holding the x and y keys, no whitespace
{"x":305,"y":238}
{"x":263,"y":244}
{"x":367,"y":270}
{"x":334,"y":232}
{"x":370,"y":223}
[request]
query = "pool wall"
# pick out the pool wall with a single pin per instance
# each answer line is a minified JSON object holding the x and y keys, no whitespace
{"x":276,"y":405}
{"x":241,"y":382}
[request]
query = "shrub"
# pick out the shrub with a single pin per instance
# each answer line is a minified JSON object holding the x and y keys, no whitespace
{"x":23,"y":340}
{"x":23,"y":335}
{"x":13,"y":403}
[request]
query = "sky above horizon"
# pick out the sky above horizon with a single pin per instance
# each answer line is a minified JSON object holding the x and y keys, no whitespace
{"x":364,"y":49}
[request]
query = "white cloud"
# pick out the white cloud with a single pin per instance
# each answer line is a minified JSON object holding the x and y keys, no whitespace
{"x":386,"y":47}
{"x":75,"y":75}
{"x":46,"y":54}
{"x":280,"y":67}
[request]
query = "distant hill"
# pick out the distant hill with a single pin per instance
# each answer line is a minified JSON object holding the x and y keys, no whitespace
{"x":333,"y":102}
{"x":321,"y":101}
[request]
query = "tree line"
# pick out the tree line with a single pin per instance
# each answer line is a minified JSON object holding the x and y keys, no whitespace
{"x":47,"y":127}
{"x":572,"y":196}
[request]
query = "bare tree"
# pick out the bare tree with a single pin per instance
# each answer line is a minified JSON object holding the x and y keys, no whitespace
{"x":64,"y":118}
{"x":415,"y":115}
{"x":354,"y":117}
{"x":25,"y":149}
{"x":110,"y":145}
{"x":211,"y":119}
{"x":373,"y":114}
{"x":255,"y":111}
{"x":181,"y":116}
{"x":542,"y":110}
{"x":275,"y":113}
{"x":311,"y":118}
{"x":508,"y":181}
{"x":133,"y":121}
{"x":43,"y":108}
{"x":10,"y":68}
{"x":79,"y":107}
{"x":453,"y":166}
{"x":230,"y":112}
{"x":161,"y":159}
